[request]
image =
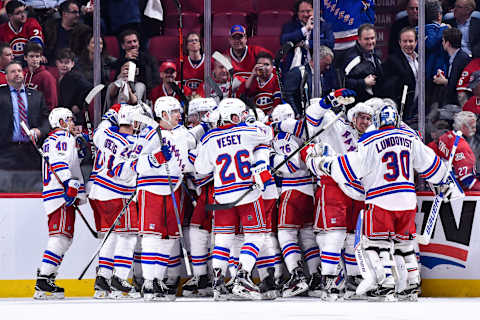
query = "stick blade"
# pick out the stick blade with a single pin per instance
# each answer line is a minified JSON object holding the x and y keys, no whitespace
{"x":93,"y":93}
{"x":223,"y":60}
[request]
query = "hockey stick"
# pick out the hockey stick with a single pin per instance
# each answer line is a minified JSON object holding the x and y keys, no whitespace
{"x":175,"y":209}
{"x":424,"y":238}
{"x":220,"y":58}
{"x":277,"y":62}
{"x":112,"y":227}
{"x":223,"y":206}
{"x":218,"y":92}
{"x":180,"y":41}
{"x":402,"y":104}
{"x":88,"y":99}
{"x":45,"y":158}
{"x":183,"y":100}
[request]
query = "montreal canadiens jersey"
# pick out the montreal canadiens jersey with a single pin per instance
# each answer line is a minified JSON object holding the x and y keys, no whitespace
{"x":294,"y":173}
{"x":384,"y":162}
{"x":243,"y":66}
{"x":265,"y":95}
{"x":115,"y":152}
{"x":153,"y":177}
{"x":463,"y":162}
{"x":61,"y":150}
{"x":464,"y":80}
{"x":30,"y":31}
{"x":229,"y":152}
{"x":193,"y":75}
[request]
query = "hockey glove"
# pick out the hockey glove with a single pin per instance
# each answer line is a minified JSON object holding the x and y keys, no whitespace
{"x":71,"y":191}
{"x":314,"y":150}
{"x":338,"y":98}
{"x":162,"y":156}
{"x":324,"y":164}
{"x":261,"y":175}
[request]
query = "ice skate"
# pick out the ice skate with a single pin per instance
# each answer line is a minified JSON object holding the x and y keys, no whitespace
{"x":45,"y":288}
{"x":244,"y":287}
{"x":102,"y":288}
{"x":122,"y":289}
{"x":315,"y":285}
{"x":268,"y":287}
{"x":220,"y":292}
{"x":296,"y":285}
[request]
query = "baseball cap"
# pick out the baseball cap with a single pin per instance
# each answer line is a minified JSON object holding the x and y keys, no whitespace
{"x":168,"y":65}
{"x":238,"y":29}
{"x":474,"y":80}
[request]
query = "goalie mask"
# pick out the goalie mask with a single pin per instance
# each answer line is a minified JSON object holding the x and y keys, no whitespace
{"x":166,"y":105}
{"x":386,"y":116}
{"x":58,"y":114}
{"x":230,"y":107}
{"x":282,"y":112}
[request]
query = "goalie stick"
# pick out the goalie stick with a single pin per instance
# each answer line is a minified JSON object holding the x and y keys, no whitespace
{"x":223,"y":206}
{"x":424,"y":238}
{"x":45,"y":158}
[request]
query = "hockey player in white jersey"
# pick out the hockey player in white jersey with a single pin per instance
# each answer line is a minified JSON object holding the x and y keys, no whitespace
{"x":295,"y":214}
{"x":337,"y":205}
{"x":61,"y":150}
{"x":385,"y":163}
{"x":115,"y":181}
{"x":230,"y":151}
{"x":157,"y":217}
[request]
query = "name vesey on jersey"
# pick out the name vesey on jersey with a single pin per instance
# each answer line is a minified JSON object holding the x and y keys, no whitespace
{"x":228,"y":140}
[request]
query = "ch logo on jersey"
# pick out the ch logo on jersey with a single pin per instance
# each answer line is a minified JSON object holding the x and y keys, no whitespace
{"x":264,"y":99}
{"x":193,"y":83}
{"x":17,"y":46}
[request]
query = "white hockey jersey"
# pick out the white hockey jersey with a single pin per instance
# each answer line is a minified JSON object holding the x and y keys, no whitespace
{"x":294,"y":173}
{"x":114,"y":176}
{"x":154,"y":178}
{"x":229,"y":152}
{"x":385,"y":161}
{"x":60,"y":148}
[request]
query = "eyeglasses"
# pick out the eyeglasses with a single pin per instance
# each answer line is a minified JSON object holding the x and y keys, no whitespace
{"x":193,"y":40}
{"x":73,"y":12}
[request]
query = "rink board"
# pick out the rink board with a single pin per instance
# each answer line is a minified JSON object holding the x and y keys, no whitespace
{"x":449,"y":264}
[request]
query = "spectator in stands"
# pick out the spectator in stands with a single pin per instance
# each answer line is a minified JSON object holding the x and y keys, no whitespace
{"x":72,"y":85}
{"x":458,"y":60}
{"x":6,"y":56}
{"x":463,"y":89}
{"x":193,"y":67}
{"x":298,"y":85}
{"x":473,"y":104}
{"x":243,"y":57}
{"x":85,"y":64}
{"x":469,"y":26}
{"x":168,"y":74}
{"x":20,"y":103}
{"x":363,"y":67}
{"x":345,"y":17}
{"x":262,"y":85}
{"x":299,"y":32}
{"x":58,"y":32}
{"x":410,"y":20}
{"x":147,"y":68}
{"x":400,"y":69}
{"x":121,"y":91}
{"x":464,"y":161}
{"x":37,"y":76}
{"x":19,"y":29}
{"x":436,"y":59}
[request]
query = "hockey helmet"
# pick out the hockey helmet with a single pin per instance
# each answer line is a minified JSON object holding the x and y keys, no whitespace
{"x":58,"y":114}
{"x":386,"y":116}
{"x":126,"y":114}
{"x":282,"y":112}
{"x":260,"y":115}
{"x":166,"y":104}
{"x":229,"y":107}
{"x":360,"y":107}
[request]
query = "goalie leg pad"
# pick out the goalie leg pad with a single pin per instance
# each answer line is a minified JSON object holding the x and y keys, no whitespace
{"x":53,"y":255}
{"x":349,"y":256}
{"x":331,"y":244}
{"x":311,"y":252}
{"x":407,"y":250}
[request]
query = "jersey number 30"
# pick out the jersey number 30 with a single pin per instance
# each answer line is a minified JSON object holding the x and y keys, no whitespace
{"x":396,"y":164}
{"x":242,"y":166}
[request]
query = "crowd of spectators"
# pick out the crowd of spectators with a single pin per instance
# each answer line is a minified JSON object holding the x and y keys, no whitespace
{"x":53,"y":42}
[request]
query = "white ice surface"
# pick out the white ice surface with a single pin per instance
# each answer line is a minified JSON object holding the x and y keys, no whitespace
{"x":195,"y":308}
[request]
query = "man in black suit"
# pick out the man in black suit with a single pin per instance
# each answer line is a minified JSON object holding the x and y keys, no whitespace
{"x":19,"y":103}
{"x":410,"y":20}
{"x":401,"y":69}
{"x":469,"y":26}
{"x":458,"y":60}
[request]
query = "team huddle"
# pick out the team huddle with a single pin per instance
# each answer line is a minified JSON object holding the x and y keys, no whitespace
{"x":298,"y":202}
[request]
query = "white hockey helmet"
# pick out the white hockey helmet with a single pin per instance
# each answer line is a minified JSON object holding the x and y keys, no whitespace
{"x":260,"y":115}
{"x":281,"y":112}
{"x":126,"y":114}
{"x":166,"y":104}
{"x":360,"y":107}
{"x":58,"y":114}
{"x":386,"y":116}
{"x":375,"y":103}
{"x":229,"y":107}
{"x":212,"y":117}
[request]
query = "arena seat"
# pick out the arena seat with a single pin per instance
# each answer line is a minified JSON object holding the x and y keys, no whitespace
{"x":219,"y":6}
{"x":191,"y":22}
{"x":271,"y":43}
{"x":112,"y":47}
{"x":270,"y":22}
{"x":222,"y":22}
{"x":163,"y":47}
{"x":220,"y":44}
{"x":263,"y":5}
